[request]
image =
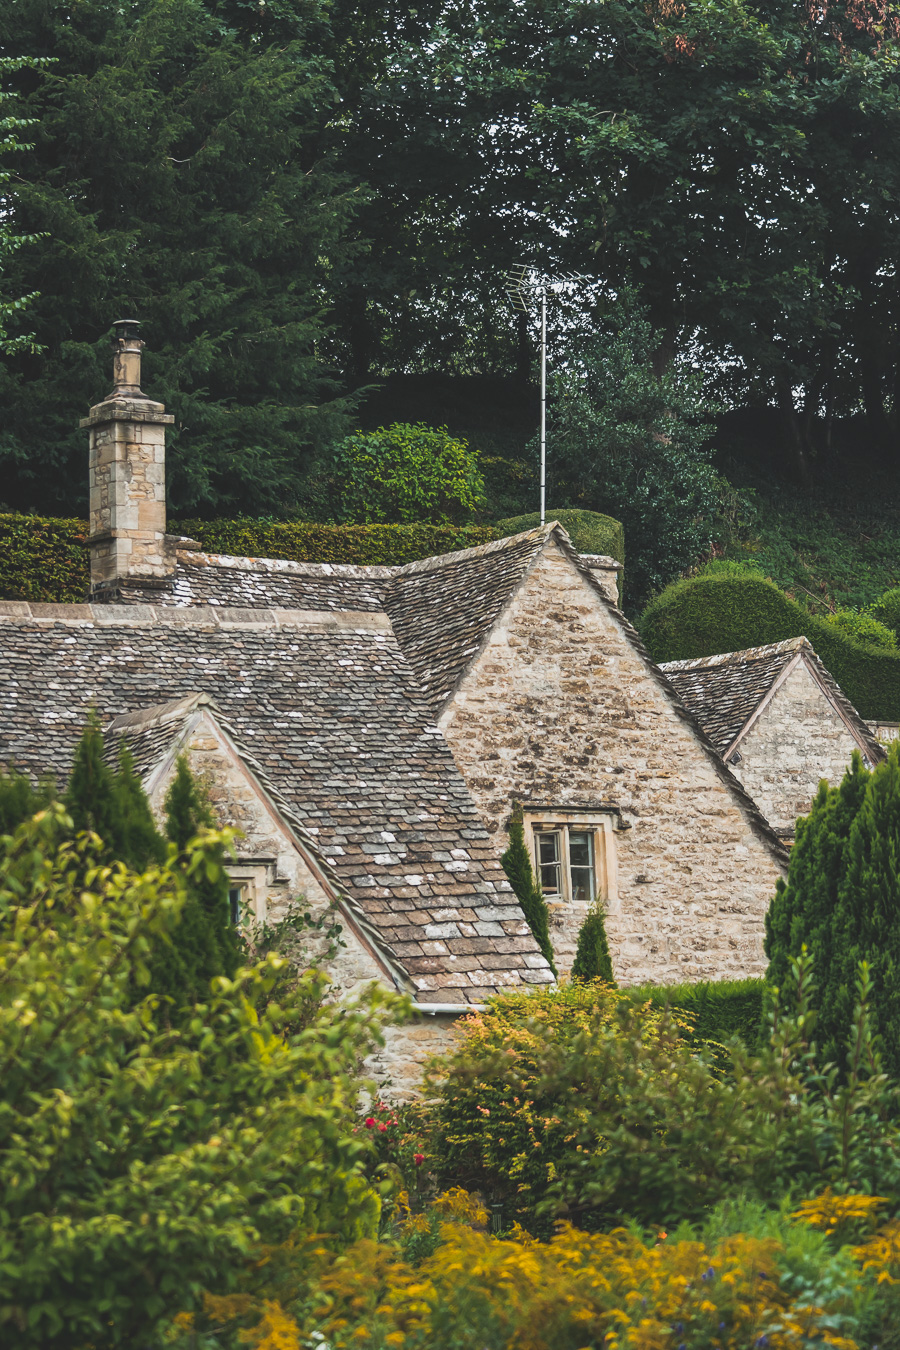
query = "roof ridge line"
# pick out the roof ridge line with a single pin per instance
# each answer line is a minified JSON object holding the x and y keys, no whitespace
{"x":477,"y":550}
{"x":744,"y":654}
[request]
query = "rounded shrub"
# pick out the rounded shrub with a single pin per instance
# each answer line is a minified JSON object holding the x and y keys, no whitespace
{"x":887,"y":609}
{"x":590,"y":531}
{"x":707,"y":615}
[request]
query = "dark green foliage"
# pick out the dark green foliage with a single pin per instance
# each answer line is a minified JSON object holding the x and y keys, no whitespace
{"x":216,"y":215}
{"x":705,"y":615}
{"x":863,"y":626}
{"x":592,"y":958}
{"x":717,"y":1009}
{"x":633,"y":441}
{"x":406,"y":474}
{"x":590,"y":531}
{"x":887,"y":610}
{"x":207,"y":943}
{"x":841,"y":902}
{"x":516,"y":862}
{"x":112,"y":803}
{"x":20,"y":799}
{"x":307,"y":541}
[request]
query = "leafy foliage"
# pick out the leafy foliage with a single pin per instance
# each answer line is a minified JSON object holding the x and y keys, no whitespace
{"x":11,"y":143}
{"x":840,"y":902}
{"x":44,"y":560}
{"x":590,"y":531}
{"x":579,"y":1103}
{"x":886,"y":609}
{"x":864,"y":627}
{"x":516,"y":863}
{"x":711,"y":1012}
{"x":705,"y":615}
{"x":140,"y":1164}
{"x":405,"y":474}
{"x":592,"y":958}
{"x":632,"y":442}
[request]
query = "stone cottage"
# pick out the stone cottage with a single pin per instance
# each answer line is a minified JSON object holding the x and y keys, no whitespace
{"x":368,"y":729}
{"x":779,"y":720}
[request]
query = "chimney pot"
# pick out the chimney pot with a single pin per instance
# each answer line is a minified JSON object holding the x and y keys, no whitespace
{"x":127,"y":347}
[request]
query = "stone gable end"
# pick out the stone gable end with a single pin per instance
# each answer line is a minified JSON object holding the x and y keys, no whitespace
{"x":268,"y":859}
{"x":560,"y":707}
{"x":797,"y":739}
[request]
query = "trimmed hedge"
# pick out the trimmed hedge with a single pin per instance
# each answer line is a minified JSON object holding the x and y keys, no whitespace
{"x":308,"y":541}
{"x":706,"y":615}
{"x":718,"y":1009}
{"x":589,"y":531}
{"x":45,"y":560}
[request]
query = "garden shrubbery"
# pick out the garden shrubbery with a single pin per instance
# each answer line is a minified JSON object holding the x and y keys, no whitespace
{"x":728,"y":611}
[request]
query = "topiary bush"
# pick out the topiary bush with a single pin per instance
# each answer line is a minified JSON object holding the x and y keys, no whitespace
{"x":590,"y":531}
{"x":706,"y":615}
{"x":309,"y":541}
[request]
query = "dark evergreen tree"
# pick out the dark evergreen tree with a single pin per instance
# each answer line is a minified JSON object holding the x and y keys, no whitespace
{"x":516,"y":863}
{"x":592,"y":958}
{"x":842,"y":899}
{"x":112,"y":803}
{"x":179,"y":175}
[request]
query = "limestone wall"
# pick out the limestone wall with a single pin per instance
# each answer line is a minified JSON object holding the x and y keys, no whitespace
{"x":560,"y":708}
{"x":798,"y":739}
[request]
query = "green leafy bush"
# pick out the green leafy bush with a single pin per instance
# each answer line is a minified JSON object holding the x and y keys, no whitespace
{"x":406,"y":473}
{"x":309,"y":541}
{"x":579,"y":1102}
{"x":886,"y":610}
{"x":840,"y":901}
{"x":592,"y":959}
{"x":140,"y":1165}
{"x":706,"y":615}
{"x":864,"y":627}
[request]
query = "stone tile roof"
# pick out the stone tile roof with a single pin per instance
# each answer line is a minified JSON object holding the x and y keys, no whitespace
{"x":441,"y":609}
{"x":327,"y":709}
{"x":723,"y":692}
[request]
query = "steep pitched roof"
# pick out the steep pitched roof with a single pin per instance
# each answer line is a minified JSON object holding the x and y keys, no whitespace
{"x":726,"y":692}
{"x":327,"y":710}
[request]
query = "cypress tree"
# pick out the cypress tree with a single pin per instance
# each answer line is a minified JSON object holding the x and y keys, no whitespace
{"x":592,"y":958}
{"x":20,"y":799}
{"x":516,"y":862}
{"x":91,"y":799}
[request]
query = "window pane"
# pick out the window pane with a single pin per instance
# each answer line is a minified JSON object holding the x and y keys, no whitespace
{"x":581,"y":866}
{"x":548,"y":855}
{"x":234,"y":905}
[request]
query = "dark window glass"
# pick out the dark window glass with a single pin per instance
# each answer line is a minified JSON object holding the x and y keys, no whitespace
{"x":234,"y":905}
{"x":581,"y":865}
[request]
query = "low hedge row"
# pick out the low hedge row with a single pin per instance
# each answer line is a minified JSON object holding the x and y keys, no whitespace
{"x":718,"y":1009}
{"x":308,"y":541}
{"x":706,"y":615}
{"x":47,"y":559}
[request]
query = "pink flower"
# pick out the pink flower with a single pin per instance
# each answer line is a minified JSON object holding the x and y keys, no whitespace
{"x":382,"y":1127}
{"x":418,"y":1159}
{"x":370,"y":1123}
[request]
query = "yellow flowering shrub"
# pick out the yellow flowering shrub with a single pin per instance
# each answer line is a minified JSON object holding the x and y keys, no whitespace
{"x":616,"y":1290}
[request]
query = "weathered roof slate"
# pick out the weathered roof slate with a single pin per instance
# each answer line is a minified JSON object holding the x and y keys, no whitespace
{"x":327,"y":708}
{"x":723,"y":692}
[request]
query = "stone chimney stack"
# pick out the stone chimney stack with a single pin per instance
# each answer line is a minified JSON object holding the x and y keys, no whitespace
{"x":128,"y":478}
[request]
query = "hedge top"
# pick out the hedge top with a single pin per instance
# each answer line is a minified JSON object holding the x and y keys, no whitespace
{"x":729,"y":612}
{"x":589,"y":531}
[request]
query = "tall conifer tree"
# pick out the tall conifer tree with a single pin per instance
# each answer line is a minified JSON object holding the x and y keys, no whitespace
{"x":592,"y":958}
{"x":516,"y":862}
